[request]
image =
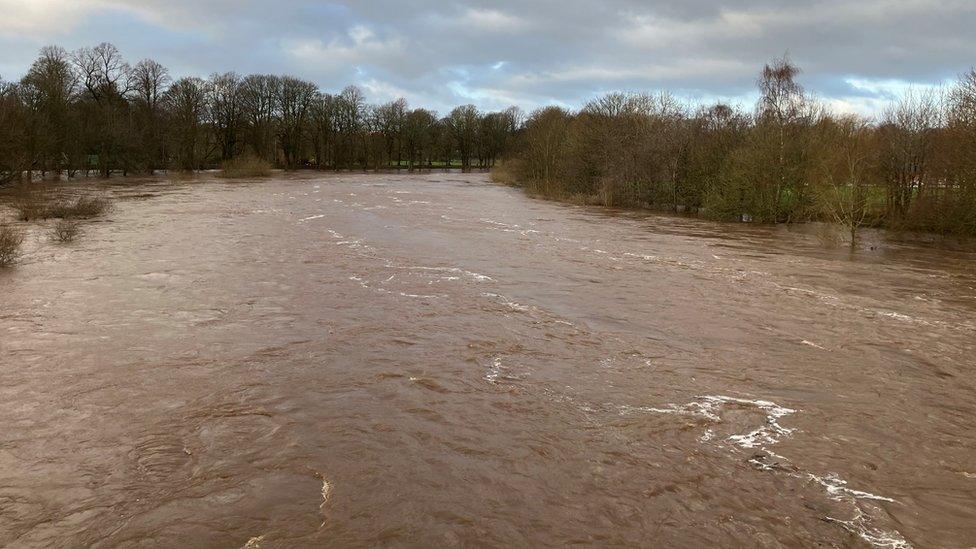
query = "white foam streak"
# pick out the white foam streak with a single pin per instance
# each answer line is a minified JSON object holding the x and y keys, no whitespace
{"x":860,"y":526}
{"x":326,"y":493}
{"x":837,"y":488}
{"x":771,"y":433}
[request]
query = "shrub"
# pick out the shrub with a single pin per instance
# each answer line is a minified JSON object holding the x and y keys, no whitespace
{"x":10,"y":241}
{"x":30,"y":206}
{"x":83,"y":208}
{"x":34,"y":205}
{"x":65,"y":230}
{"x":245,"y":166}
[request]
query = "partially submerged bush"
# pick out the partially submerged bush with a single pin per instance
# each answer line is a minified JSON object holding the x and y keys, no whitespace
{"x":30,"y":206}
{"x":65,"y":230}
{"x":86,"y":207}
{"x":245,"y":166}
{"x":10,"y":241}
{"x":34,"y":205}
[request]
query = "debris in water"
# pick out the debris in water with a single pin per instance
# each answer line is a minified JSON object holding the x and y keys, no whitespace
{"x":253,"y":543}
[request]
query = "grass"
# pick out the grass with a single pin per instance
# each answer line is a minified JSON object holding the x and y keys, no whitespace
{"x":245,"y":167}
{"x":10,"y":241}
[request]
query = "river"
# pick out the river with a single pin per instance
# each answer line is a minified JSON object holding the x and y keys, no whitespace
{"x":434,"y":360}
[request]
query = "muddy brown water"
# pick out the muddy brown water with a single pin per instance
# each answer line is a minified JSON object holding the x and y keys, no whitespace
{"x":433,"y":360}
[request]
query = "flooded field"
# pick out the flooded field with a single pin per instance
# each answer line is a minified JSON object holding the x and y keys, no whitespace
{"x":433,"y":360}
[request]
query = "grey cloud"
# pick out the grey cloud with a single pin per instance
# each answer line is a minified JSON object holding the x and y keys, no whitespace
{"x":550,"y":51}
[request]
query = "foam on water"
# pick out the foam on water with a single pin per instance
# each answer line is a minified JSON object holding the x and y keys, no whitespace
{"x":770,"y":433}
{"x":861,"y":527}
{"x":498,"y":371}
{"x":253,"y":543}
{"x":476,"y":276}
{"x":508,"y":302}
{"x":837,"y":488}
{"x":495,"y":370}
{"x":326,"y":492}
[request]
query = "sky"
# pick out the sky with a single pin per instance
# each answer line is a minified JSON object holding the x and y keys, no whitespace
{"x":855,"y":55}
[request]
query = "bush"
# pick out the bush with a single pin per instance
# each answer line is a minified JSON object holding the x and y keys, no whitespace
{"x":65,"y":230}
{"x":10,"y":241}
{"x":30,"y":206}
{"x":244,"y":167}
{"x":83,"y":208}
{"x":34,"y":205}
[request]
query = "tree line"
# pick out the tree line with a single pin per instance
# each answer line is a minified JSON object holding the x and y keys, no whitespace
{"x":91,"y":111}
{"x":789,"y":159}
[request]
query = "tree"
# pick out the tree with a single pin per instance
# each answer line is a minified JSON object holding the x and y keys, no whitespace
{"x":462,"y":124}
{"x":13,"y":161}
{"x":186,"y":101}
{"x":50,"y":88}
{"x":907,"y":140}
{"x":782,"y":119}
{"x":350,"y":123}
{"x":260,"y":96}
{"x":295,"y":105}
{"x":389,"y":118}
{"x":845,"y":192}
{"x":418,"y":135}
{"x":150,"y":80}
{"x":544,"y":142}
{"x":225,"y":112}
{"x":106,"y":80}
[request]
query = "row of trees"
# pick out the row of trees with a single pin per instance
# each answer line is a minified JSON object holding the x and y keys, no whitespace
{"x":790,"y":159}
{"x":90,"y":110}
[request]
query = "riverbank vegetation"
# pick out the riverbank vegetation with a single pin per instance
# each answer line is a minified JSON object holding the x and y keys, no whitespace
{"x":789,"y":160}
{"x":33,"y":205}
{"x":90,"y":112}
{"x":52,"y":208}
{"x":245,"y":167}
{"x":65,"y":230}
{"x":10,"y":241}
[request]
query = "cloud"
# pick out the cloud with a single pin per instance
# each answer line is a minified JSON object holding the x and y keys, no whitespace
{"x":360,"y":46}
{"x":492,"y":20}
{"x":53,"y":17}
{"x":855,"y":55}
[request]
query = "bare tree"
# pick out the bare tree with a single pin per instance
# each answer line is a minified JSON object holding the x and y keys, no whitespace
{"x":13,"y":159}
{"x":225,"y":110}
{"x":295,"y":104}
{"x":418,"y":135}
{"x":106,"y":79}
{"x":260,"y":96}
{"x":390,"y":124}
{"x":49,"y":90}
{"x":149,"y":82}
{"x":186,"y":100}
{"x":104,"y":74}
{"x":463,"y":126}
{"x":845,"y":192}
{"x":907,"y":140}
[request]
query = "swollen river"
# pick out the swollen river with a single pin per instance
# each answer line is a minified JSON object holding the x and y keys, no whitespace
{"x":434,"y":361}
